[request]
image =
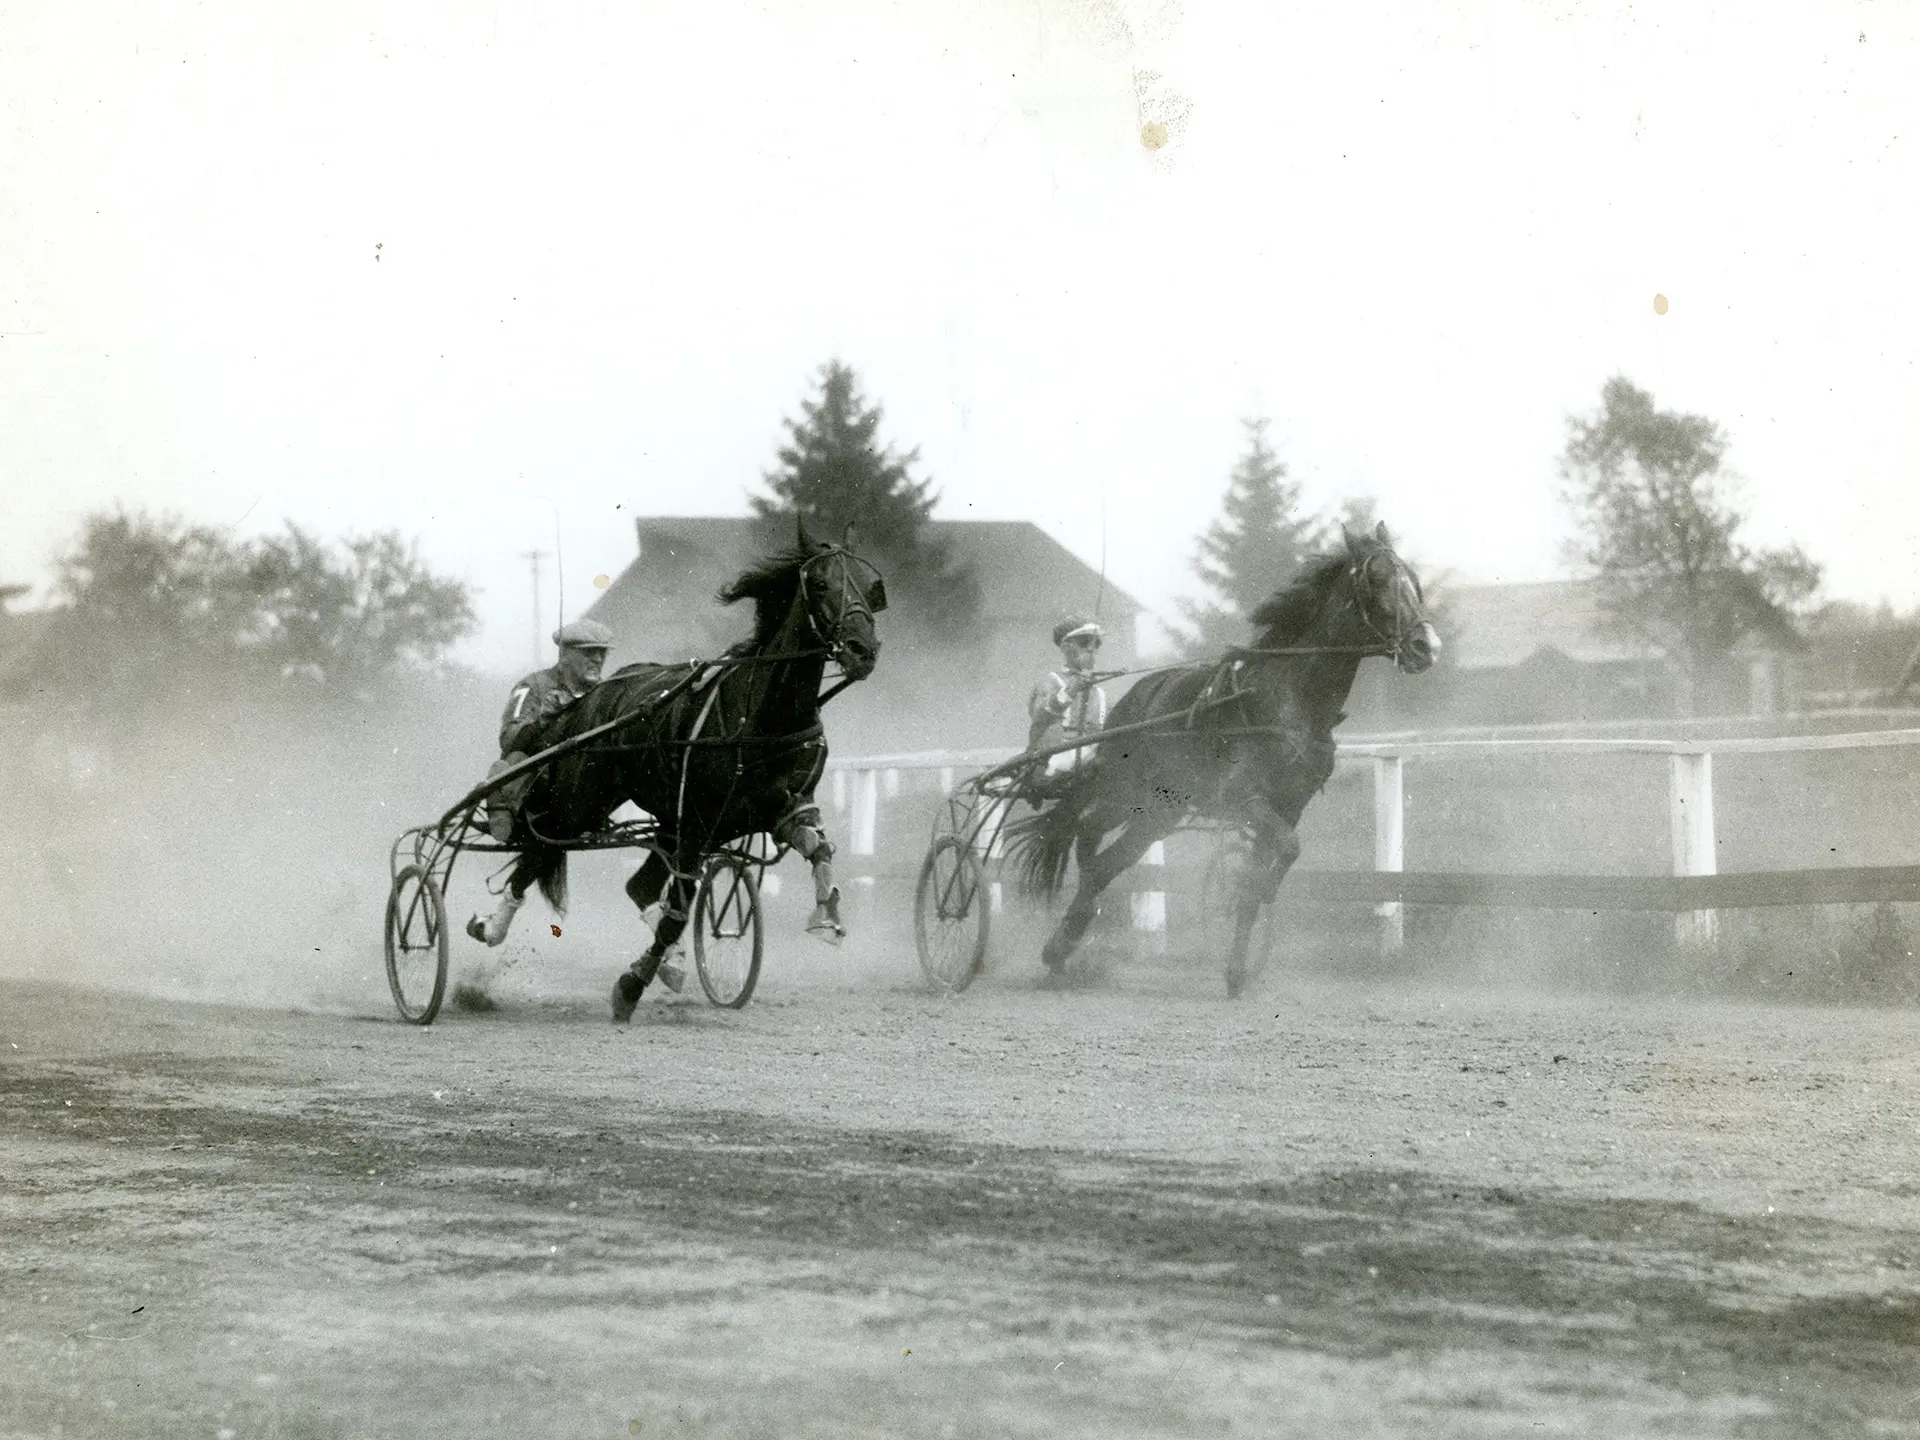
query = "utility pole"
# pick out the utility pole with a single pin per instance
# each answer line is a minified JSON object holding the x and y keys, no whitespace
{"x":533,"y":559}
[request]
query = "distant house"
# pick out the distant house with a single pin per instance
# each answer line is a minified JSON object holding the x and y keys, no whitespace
{"x":929,"y":692}
{"x":1863,"y":660}
{"x":1537,"y":652}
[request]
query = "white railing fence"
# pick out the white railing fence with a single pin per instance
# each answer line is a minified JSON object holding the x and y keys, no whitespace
{"x":859,"y":783}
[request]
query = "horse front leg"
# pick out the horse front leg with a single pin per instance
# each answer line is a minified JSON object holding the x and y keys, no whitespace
{"x":803,"y":832}
{"x":1276,"y":847}
{"x":1098,"y":869}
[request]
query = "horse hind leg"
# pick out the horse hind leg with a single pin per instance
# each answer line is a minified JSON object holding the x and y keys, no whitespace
{"x":492,"y":929}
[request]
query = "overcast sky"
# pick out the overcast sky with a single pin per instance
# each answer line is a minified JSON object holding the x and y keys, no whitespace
{"x":479,"y":271}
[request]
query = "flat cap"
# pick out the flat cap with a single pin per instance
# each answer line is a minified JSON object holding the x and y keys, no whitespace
{"x":1075,"y":626}
{"x":583,"y":635}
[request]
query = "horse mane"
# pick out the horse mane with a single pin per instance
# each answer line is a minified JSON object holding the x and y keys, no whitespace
{"x":1285,"y":616}
{"x":771,"y":585}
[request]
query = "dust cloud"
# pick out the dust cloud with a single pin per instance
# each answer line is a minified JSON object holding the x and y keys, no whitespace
{"x":231,"y":846}
{"x":235,"y":849}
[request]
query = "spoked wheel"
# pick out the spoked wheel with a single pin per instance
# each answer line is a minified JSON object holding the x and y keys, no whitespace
{"x":728,"y":937}
{"x":1219,"y":898}
{"x":951,"y":914}
{"x":417,"y":945}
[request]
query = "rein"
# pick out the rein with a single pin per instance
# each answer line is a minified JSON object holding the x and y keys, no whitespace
{"x":1385,"y":648}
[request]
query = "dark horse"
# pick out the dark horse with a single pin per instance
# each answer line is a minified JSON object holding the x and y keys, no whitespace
{"x":1247,"y":739}
{"x":715,"y":752}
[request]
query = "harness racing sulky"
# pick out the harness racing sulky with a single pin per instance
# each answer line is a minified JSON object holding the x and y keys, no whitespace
{"x":1239,"y":744}
{"x":720,"y":756}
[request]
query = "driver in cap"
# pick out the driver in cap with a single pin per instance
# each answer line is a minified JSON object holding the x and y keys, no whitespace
{"x":546,"y":693}
{"x":535,"y":701}
{"x":1068,"y":705}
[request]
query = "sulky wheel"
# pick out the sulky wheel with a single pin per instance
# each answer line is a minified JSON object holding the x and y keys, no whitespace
{"x":951,"y":914}
{"x":416,"y":945}
{"x":728,"y":936}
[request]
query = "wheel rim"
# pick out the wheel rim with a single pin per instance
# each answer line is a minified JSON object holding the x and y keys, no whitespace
{"x":727,"y":938}
{"x":416,"y":945}
{"x":951,"y":914}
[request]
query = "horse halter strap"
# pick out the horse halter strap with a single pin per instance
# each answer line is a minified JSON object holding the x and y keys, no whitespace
{"x":1391,"y":641}
{"x":852,"y":602}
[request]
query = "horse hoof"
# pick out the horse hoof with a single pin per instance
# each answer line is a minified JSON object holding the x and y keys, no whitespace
{"x":626,"y":995}
{"x":671,"y":976}
{"x":477,"y":928}
{"x":824,"y":924}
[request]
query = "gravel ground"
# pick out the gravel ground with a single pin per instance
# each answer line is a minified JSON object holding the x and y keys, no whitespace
{"x":856,"y":1209}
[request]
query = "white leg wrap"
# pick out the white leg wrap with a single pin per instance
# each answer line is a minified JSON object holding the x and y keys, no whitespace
{"x":494,"y":928}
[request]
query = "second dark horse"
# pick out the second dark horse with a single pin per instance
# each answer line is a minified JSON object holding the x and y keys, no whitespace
{"x":715,"y":752}
{"x":1246,"y":740}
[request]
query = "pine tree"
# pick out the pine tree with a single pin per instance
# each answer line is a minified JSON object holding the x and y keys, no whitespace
{"x":1253,"y":549}
{"x":834,"y":473}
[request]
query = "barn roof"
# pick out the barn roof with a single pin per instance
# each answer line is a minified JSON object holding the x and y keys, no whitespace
{"x":1024,"y":573}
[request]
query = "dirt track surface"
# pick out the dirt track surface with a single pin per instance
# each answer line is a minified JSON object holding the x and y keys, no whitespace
{"x":854,"y":1209}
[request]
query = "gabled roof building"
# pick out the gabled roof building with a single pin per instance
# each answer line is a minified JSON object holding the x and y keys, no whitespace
{"x":929,"y":692}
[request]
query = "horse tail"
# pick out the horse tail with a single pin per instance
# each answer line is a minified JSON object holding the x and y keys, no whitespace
{"x":546,"y":867}
{"x":1039,"y":845}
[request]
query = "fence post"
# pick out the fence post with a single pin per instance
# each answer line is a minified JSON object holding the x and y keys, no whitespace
{"x":1149,"y":907}
{"x":866,"y":810}
{"x":839,"y":792}
{"x":1690,"y":819}
{"x":1390,"y":844}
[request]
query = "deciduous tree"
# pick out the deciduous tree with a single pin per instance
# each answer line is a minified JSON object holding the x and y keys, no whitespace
{"x":153,"y":604}
{"x":1659,"y":532}
{"x":353,"y":616}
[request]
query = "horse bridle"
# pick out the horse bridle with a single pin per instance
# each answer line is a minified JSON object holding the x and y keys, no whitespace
{"x":1390,"y":641}
{"x":852,"y":603}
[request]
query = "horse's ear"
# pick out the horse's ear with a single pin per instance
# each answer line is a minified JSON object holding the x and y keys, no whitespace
{"x":847,"y":544}
{"x":1347,"y":534}
{"x":806,"y":540}
{"x":1380,"y":533}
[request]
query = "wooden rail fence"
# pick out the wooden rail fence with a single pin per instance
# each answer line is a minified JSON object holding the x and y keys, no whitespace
{"x":1692,"y":891}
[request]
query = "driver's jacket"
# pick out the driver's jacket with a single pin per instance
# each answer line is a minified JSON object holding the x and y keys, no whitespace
{"x":1064,"y":706}
{"x":534,"y":701}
